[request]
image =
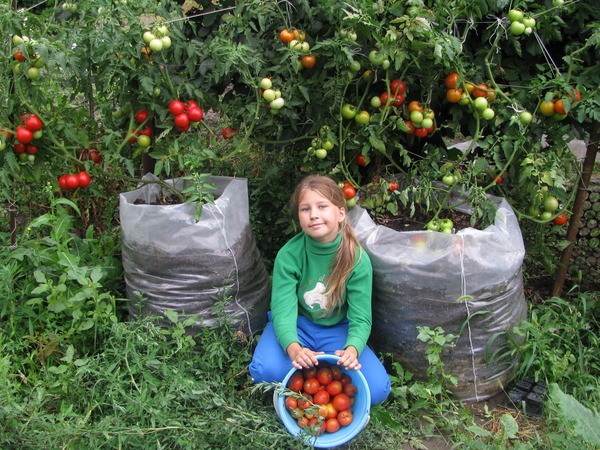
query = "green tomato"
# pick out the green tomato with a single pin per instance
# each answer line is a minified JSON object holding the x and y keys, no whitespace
{"x":546,"y":216}
{"x":277,"y":103}
{"x":488,"y":114}
{"x":558,"y":2}
{"x":525,"y":117}
{"x":517,"y":28}
{"x":480,"y":103}
{"x":2,"y":145}
{"x":156,"y":45}
{"x":448,"y":179}
{"x":349,"y":111}
{"x":362,"y":118}
{"x":426,"y":123}
{"x":321,"y":153}
{"x":550,"y":204}
{"x":385,"y":64}
{"x":266,"y":83}
{"x":144,"y":141}
{"x":269,"y":95}
{"x":416,"y":117}
{"x":464,"y":99}
{"x":433,"y":225}
{"x":529,"y":22}
{"x":39,"y":62}
{"x":354,"y":66}
{"x":515,"y":15}
{"x":351,"y":202}
{"x":147,"y":37}
{"x":38,"y":134}
{"x":166,"y":41}
{"x":328,"y":145}
{"x":376,"y":58}
{"x":446,"y":224}
{"x":17,"y":40}
{"x":33,"y":73}
{"x":376,"y":102}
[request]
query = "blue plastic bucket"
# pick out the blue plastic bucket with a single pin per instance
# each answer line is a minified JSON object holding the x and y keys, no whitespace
{"x":360,"y":410}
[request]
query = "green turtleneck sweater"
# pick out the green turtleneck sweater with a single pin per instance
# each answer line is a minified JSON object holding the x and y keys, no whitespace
{"x":299,"y":284}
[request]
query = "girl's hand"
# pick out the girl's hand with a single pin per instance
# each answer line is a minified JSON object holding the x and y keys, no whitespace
{"x":348,"y":358}
{"x":302,"y":358}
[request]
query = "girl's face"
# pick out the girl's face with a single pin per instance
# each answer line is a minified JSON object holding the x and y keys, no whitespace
{"x":319,"y":218}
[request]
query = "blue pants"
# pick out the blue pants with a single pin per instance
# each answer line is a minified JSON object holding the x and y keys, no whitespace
{"x":271,"y":364}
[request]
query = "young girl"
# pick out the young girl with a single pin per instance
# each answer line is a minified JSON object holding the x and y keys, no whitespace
{"x":321,"y":294}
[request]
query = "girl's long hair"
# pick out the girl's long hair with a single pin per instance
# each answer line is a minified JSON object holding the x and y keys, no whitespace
{"x":344,"y":260}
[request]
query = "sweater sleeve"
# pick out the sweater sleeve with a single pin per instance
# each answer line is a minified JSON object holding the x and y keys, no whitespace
{"x":284,"y":300}
{"x":359,"y":291}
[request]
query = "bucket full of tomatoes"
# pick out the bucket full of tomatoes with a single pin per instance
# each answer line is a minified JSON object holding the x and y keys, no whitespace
{"x":325,"y":405}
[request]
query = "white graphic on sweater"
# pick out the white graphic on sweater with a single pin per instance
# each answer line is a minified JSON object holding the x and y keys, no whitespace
{"x":316,"y":298}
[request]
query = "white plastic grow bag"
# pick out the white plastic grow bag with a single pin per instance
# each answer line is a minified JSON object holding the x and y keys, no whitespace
{"x":468,"y":283}
{"x":172,"y":262}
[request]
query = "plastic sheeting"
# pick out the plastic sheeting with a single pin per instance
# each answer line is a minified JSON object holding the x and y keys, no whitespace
{"x":172,"y":262}
{"x":468,"y":283}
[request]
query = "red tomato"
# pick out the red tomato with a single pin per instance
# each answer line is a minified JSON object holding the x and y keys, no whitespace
{"x":19,"y":148}
{"x":191,"y":104}
{"x":33,"y":123}
{"x":480,"y":90}
{"x":394,"y":186}
{"x":345,"y":379}
{"x":311,"y":386}
{"x":361,"y":160}
{"x":182,"y":121}
{"x":345,"y":418}
{"x":308,"y":61}
{"x":350,"y":390}
{"x":421,"y":132}
{"x":349,"y":191}
{"x":397,"y":87}
{"x":84,"y":179}
{"x":411,"y":127}
{"x":321,"y":397}
{"x":335,"y":387}
{"x":291,"y":403}
{"x":32,"y":149}
{"x":341,"y":402}
{"x":302,"y":422}
{"x":317,"y":426}
{"x":19,"y":56}
{"x":296,"y":382}
{"x":332,"y":425}
{"x":195,"y":114}
{"x":94,"y":156}
{"x":71,"y":181}
{"x":336,"y":372}
{"x":451,"y":80}
{"x":397,"y":99}
{"x":228,"y":133}
{"x":176,"y":107}
{"x":306,"y":402}
{"x":24,"y":135}
{"x":141,"y":115}
{"x":311,"y":372}
{"x":324,"y":375}
{"x":62,"y":182}
{"x":132,"y":136}
{"x":561,"y":219}
{"x":146,"y":131}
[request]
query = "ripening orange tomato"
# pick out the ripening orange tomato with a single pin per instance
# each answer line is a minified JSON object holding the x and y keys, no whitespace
{"x":308,"y":61}
{"x":451,"y":80}
{"x":453,"y":95}
{"x":559,"y":107}
{"x":547,"y":107}
{"x":286,"y":36}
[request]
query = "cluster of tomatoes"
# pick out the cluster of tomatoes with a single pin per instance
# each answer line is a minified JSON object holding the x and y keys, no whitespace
{"x":27,"y":131}
{"x":350,"y":193}
{"x":33,"y":67}
{"x":394,"y":98}
{"x":480,"y":94}
{"x":72,"y":181}
{"x":520,"y":23}
{"x":185,"y":114}
{"x":157,"y":39}
{"x":559,"y":107}
{"x":549,"y":210}
{"x":421,"y":121}
{"x":322,"y":398}
{"x":271,"y":95}
{"x":296,"y":41}
{"x":143,"y":136}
